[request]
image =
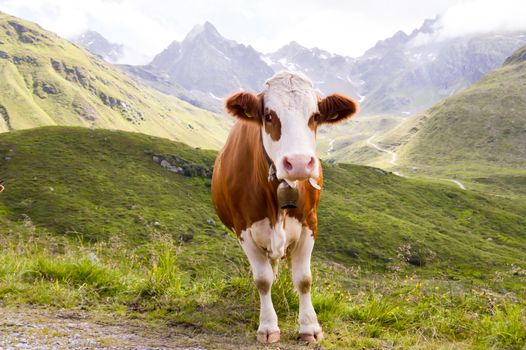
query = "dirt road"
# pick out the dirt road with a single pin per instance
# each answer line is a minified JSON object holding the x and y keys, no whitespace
{"x":37,"y":328}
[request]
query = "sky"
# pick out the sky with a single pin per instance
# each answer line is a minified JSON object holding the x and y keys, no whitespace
{"x":347,"y":27}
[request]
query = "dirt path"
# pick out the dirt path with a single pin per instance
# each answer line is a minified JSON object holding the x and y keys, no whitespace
{"x":331,"y":147}
{"x":25,"y":328}
{"x":36,"y":328}
{"x":458,"y":183}
{"x":394,"y":160}
{"x":374,"y":145}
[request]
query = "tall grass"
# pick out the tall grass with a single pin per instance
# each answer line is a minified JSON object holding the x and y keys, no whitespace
{"x":375,"y":310}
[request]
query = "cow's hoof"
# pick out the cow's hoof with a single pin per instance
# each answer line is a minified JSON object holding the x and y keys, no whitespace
{"x":311,"y":338}
{"x":268,"y":338}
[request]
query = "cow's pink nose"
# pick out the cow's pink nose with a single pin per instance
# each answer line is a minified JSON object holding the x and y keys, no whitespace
{"x":298,"y":167}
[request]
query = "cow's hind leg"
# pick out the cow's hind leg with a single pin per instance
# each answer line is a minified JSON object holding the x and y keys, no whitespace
{"x":300,"y":255}
{"x":268,"y":330}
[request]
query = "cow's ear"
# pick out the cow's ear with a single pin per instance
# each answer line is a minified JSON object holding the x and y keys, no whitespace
{"x":336,"y":108}
{"x":245,"y":106}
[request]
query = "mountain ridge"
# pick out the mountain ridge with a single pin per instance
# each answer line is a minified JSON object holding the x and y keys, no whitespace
{"x":399,"y":75}
{"x":99,"y":45}
{"x":210,"y":63}
{"x":478,"y":135}
{"x":47,"y":80}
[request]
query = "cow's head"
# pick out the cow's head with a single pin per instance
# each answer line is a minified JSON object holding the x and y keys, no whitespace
{"x":289,"y":112}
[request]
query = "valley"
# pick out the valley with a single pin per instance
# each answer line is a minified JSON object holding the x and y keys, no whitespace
{"x":476,"y":136}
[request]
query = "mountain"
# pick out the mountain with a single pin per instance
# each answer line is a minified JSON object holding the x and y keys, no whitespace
{"x":160,"y":81}
{"x":408,"y":73}
{"x":400,"y":75}
{"x":99,"y":45}
{"x":405,"y":73}
{"x":49,"y":81}
{"x":482,"y":127}
{"x":329,"y":72}
{"x":207,"y":62}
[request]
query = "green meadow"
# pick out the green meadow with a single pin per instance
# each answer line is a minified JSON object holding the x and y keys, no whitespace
{"x":89,"y":221}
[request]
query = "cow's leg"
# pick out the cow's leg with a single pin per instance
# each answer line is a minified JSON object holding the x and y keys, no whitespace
{"x":268,"y":331}
{"x":310,"y":329}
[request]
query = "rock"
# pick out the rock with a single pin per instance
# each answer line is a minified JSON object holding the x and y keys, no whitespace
{"x":174,"y":169}
{"x":7,"y":158}
{"x":181,"y":166}
{"x":24,"y":59}
{"x":380,"y":171}
{"x":210,"y":221}
{"x":93,"y":257}
{"x":210,"y":233}
{"x":186,"y":237}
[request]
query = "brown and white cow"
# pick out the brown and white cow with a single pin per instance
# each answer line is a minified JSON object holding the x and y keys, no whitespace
{"x":276,"y":134}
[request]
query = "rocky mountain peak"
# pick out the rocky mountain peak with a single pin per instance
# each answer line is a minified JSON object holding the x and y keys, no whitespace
{"x":99,"y":45}
{"x":429,"y":25}
{"x":205,"y":30}
{"x":289,"y":50}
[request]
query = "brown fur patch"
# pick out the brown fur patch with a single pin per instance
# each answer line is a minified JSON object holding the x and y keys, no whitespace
{"x":336,"y":108}
{"x":262,"y":285}
{"x":313,"y":122}
{"x":304,"y":285}
{"x":241,"y":192}
{"x":305,"y":212}
{"x":245,"y":106}
{"x":273,"y":128}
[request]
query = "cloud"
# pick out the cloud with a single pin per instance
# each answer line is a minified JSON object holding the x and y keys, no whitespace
{"x":342,"y":26}
{"x":119,"y":21}
{"x":483,"y":16}
{"x":346,"y":27}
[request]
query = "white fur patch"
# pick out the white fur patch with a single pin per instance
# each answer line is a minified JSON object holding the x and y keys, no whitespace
{"x":294,"y":100}
{"x":300,"y":261}
{"x":275,"y":240}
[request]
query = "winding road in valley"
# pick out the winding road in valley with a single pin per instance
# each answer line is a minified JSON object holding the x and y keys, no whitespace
{"x":394,"y":159}
{"x":331,"y":146}
{"x":393,"y":154}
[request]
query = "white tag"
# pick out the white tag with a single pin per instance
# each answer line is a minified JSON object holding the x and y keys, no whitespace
{"x":314,"y":183}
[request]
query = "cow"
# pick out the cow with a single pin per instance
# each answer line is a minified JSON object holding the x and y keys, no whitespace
{"x":273,"y":144}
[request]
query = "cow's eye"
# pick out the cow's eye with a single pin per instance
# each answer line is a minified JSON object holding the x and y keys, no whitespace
{"x":268,"y":117}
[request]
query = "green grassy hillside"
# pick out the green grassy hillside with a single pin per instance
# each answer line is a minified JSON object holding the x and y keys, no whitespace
{"x":45,"y":80}
{"x":347,"y":142}
{"x":478,"y":135}
{"x":89,"y":219}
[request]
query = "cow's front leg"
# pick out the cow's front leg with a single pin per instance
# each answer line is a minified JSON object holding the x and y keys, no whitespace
{"x":268,"y":330}
{"x":310,"y":329}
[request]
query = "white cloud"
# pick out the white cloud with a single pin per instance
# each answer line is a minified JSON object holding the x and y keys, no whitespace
{"x":483,"y":16}
{"x":347,"y":27}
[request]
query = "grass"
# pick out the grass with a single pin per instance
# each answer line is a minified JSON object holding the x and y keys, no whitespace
{"x":46,"y":80}
{"x":349,"y":140}
{"x":89,"y":220}
{"x":154,"y":282}
{"x":477,"y":135}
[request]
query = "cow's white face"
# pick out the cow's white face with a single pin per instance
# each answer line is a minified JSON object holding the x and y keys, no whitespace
{"x":288,"y":103}
{"x":289,"y":112}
